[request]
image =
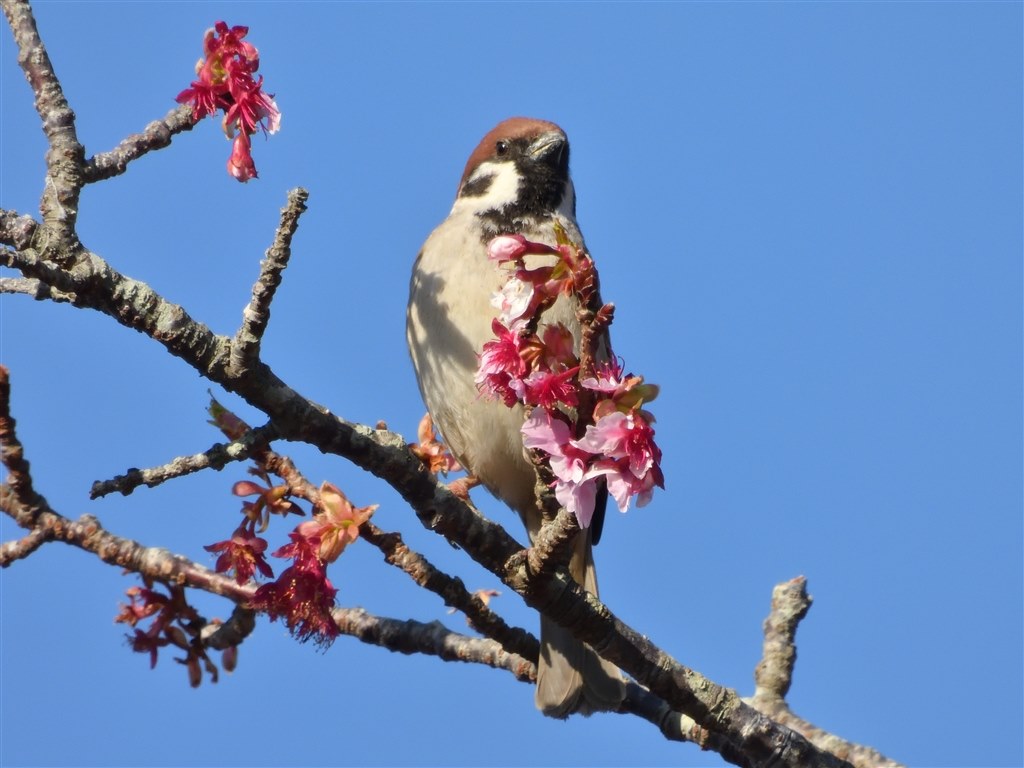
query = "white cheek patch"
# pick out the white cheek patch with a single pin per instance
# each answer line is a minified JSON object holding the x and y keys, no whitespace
{"x":503,"y":189}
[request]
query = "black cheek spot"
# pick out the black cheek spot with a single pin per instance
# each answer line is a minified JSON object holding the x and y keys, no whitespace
{"x":476,"y":187}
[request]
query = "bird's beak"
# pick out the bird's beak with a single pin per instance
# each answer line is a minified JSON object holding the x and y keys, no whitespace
{"x":548,"y":146}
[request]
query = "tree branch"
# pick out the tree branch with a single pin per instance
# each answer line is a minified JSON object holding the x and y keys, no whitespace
{"x":245,"y":349}
{"x":12,"y":455}
{"x":156,"y":135}
{"x":554,"y":543}
{"x":216,"y":457}
{"x":676,"y":726}
{"x":23,"y":547}
{"x":160,"y":565}
{"x":774,"y":674}
{"x":434,"y":638}
{"x":415,"y":565}
{"x":16,"y":229}
{"x":386,"y":455}
{"x":64,"y":158}
{"x":37,"y":289}
{"x":452,"y":590}
{"x":19,"y":499}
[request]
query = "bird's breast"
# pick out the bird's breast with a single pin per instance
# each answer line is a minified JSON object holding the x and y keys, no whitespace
{"x":449,"y":320}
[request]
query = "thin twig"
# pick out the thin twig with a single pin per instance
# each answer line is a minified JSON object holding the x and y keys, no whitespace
{"x":433,"y":638}
{"x":37,"y":289}
{"x":156,"y":135}
{"x":452,"y":590}
{"x":216,"y":457}
{"x":12,"y":454}
{"x":18,"y":549}
{"x":245,"y":348}
{"x":282,"y":466}
{"x":774,"y":675}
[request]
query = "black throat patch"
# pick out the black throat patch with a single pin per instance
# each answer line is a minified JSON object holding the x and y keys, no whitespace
{"x":542,"y":188}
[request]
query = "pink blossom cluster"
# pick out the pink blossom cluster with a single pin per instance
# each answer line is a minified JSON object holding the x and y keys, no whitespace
{"x":172,"y":623}
{"x":538,"y":367}
{"x":242,"y":554}
{"x":226,"y":82}
{"x":302,"y":595}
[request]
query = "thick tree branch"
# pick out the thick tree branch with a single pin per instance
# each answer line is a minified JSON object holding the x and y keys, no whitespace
{"x":18,"y":498}
{"x":65,"y":156}
{"x":94,"y":284}
{"x":676,"y":726}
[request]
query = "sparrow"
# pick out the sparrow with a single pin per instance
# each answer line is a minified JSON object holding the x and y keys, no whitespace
{"x":516,"y":182}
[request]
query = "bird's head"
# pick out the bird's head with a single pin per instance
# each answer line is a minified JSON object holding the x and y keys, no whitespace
{"x":518,"y":172}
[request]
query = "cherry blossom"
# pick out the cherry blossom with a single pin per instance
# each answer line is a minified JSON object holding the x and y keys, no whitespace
{"x":502,"y":367}
{"x":225,"y":82}
{"x":534,"y":364}
{"x":514,"y":300}
{"x":573,"y":488}
{"x":272,"y":500}
{"x":242,"y":553}
{"x":302,"y":595}
{"x":337,"y":525}
{"x":240,"y":162}
{"x":505,"y":248}
{"x":549,"y":389}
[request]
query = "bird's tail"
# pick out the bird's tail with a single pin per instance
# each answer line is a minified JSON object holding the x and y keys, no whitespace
{"x":570,"y":676}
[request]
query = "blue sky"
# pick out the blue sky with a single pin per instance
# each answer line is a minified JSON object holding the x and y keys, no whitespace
{"x":809,"y":218}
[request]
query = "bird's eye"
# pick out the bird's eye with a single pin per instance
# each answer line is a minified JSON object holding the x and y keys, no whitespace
{"x":501,"y":148}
